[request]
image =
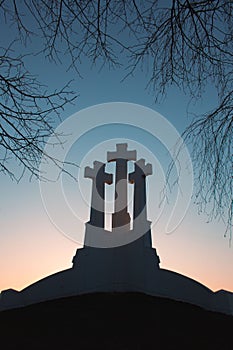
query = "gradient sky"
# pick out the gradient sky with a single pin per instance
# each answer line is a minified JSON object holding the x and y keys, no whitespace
{"x":31,"y":247}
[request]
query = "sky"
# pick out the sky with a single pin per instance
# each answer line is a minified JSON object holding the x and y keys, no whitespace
{"x":31,"y":244}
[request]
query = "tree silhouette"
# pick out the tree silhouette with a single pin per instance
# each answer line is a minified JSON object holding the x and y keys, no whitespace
{"x":26,"y":117}
{"x":177,"y":42}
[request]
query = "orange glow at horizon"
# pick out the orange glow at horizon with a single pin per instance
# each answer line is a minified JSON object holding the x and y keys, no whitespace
{"x":54,"y":253}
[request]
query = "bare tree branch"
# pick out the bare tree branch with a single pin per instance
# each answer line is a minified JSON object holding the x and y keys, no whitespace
{"x":26,"y":115}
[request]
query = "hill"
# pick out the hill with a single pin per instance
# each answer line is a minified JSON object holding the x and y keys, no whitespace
{"x":114,"y":321}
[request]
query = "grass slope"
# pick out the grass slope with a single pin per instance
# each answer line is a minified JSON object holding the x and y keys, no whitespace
{"x":114,"y":321}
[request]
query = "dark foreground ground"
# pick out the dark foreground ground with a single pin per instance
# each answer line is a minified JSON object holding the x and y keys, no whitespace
{"x":114,"y":321}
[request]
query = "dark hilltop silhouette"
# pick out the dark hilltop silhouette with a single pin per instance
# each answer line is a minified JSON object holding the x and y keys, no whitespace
{"x":114,"y":321}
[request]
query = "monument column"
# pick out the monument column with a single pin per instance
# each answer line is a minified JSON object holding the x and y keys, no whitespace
{"x":99,"y":178}
{"x":121,"y":156}
{"x":138,"y":178}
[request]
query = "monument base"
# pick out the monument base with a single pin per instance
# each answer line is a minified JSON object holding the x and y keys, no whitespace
{"x":98,"y":237}
{"x":134,"y":264}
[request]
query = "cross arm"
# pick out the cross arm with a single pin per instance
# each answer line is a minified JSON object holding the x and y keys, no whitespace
{"x":141,"y":170}
{"x":92,"y":172}
{"x":121,"y":153}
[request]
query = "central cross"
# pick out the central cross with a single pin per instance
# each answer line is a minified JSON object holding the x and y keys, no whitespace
{"x":121,"y":156}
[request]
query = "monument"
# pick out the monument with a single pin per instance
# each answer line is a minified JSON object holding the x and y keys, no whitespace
{"x":121,"y":259}
{"x":118,"y":259}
